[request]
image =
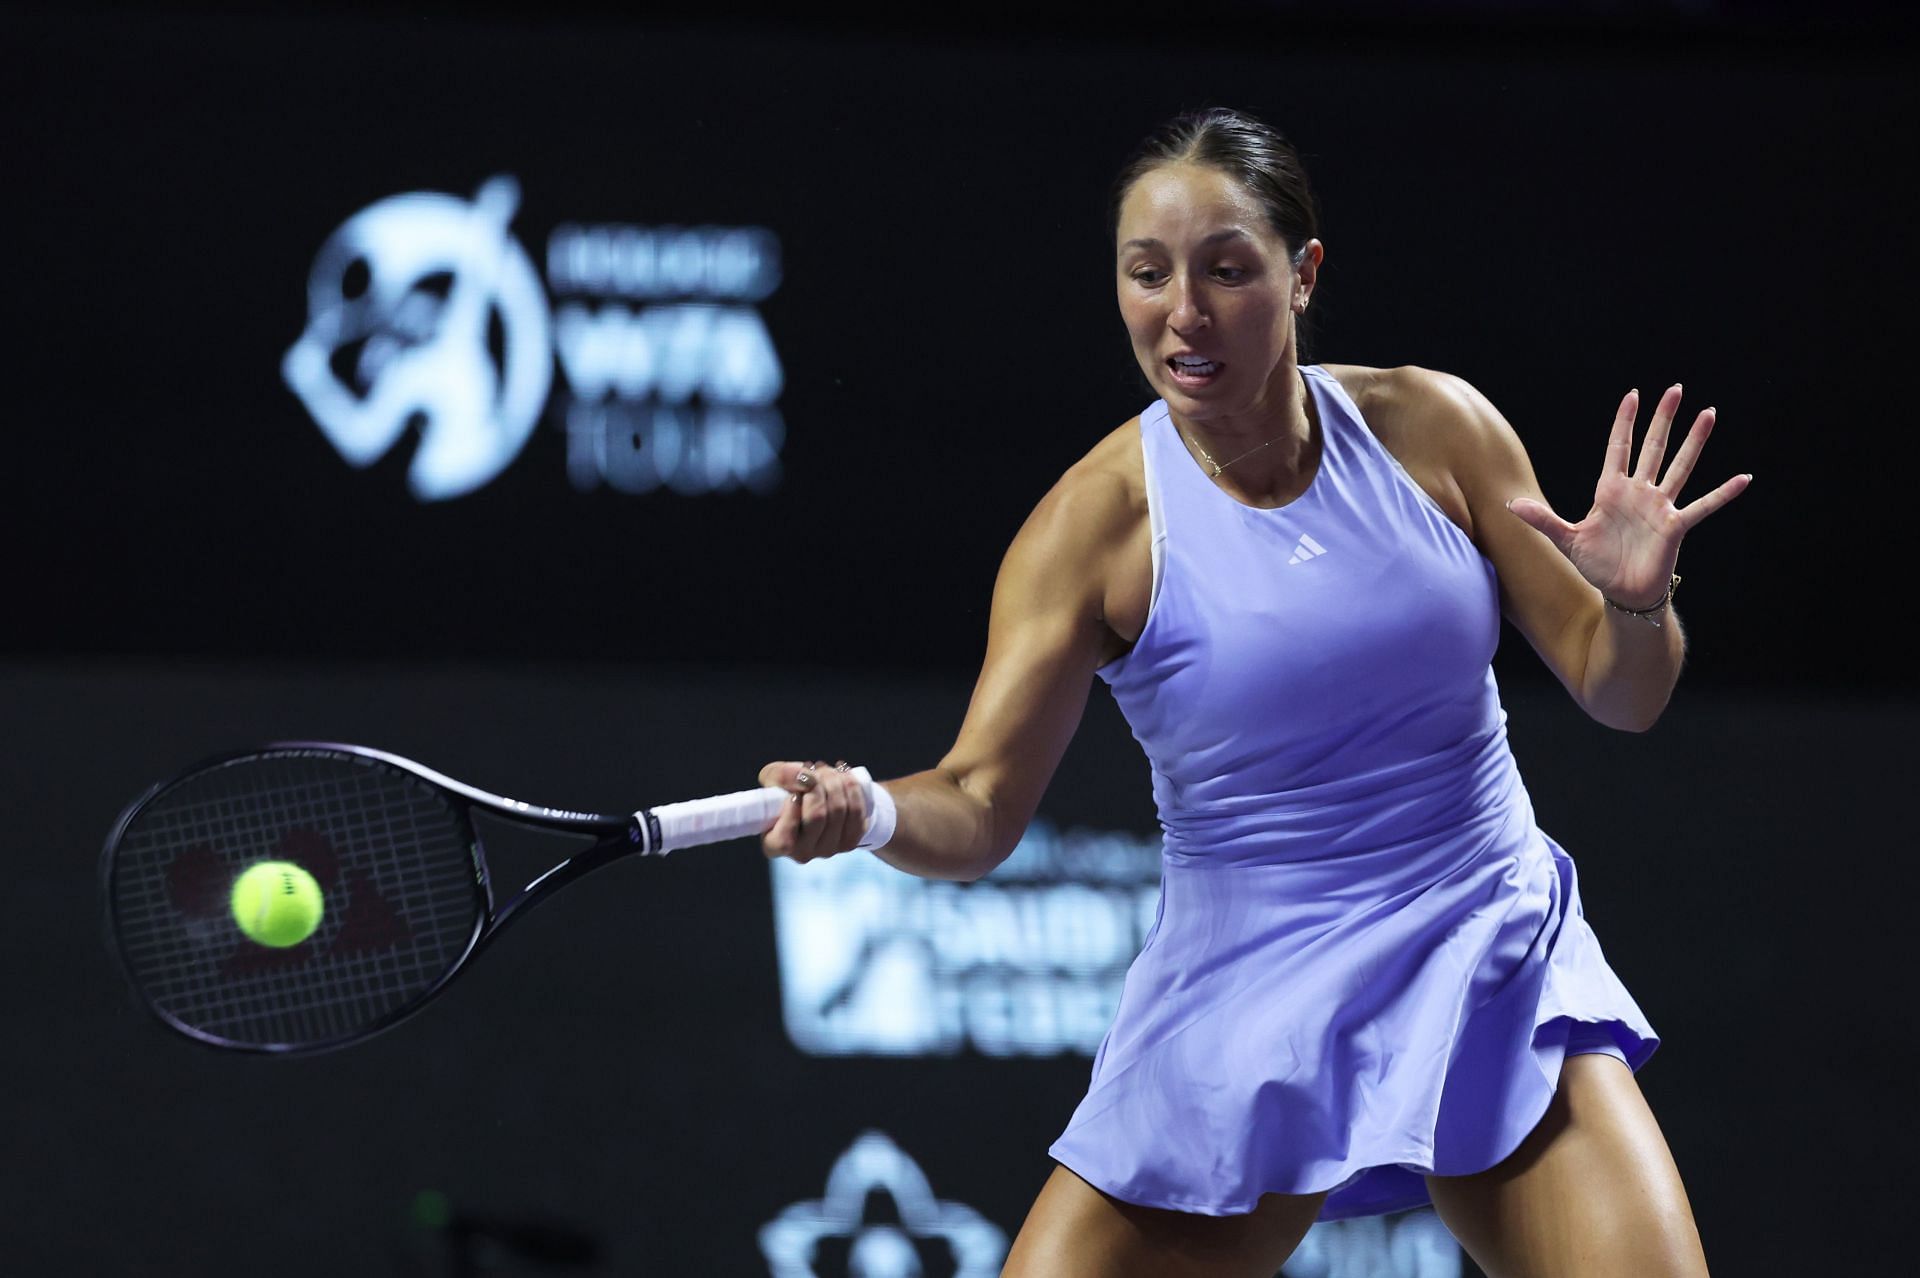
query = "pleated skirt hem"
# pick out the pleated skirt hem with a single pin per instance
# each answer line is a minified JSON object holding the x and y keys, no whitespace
{"x":1386,"y":1184}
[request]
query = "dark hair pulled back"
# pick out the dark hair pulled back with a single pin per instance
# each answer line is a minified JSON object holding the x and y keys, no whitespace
{"x":1243,"y":148}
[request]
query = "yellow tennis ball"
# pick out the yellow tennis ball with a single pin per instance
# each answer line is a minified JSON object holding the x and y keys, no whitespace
{"x":277,"y":903}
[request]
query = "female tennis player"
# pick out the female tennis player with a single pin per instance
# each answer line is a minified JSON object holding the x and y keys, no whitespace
{"x":1370,"y":984}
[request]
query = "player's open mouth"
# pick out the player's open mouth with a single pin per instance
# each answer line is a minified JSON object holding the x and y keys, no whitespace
{"x":1191,"y":370}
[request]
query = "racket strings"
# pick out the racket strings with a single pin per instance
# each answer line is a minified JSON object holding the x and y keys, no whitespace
{"x":395,"y":863}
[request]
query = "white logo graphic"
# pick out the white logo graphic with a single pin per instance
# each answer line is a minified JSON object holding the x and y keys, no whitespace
{"x":422,"y":309}
{"x":881,"y":1248}
{"x":400,"y":305}
{"x":1411,"y":1245}
{"x":1307,"y":549}
{"x":1028,"y":962}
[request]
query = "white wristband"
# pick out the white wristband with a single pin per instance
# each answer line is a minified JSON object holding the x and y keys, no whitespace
{"x":880,"y":820}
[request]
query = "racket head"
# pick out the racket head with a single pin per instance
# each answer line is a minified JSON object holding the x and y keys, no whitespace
{"x":406,"y":895}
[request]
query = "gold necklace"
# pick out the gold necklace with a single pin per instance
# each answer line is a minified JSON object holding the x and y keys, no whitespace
{"x":1220,"y":466}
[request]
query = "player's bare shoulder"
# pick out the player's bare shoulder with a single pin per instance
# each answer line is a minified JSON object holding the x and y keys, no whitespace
{"x":1099,"y":499}
{"x":1409,"y":409}
{"x":1088,"y":535}
{"x":1426,"y":419}
{"x":1117,"y":466}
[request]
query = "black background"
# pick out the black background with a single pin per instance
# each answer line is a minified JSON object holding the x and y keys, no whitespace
{"x":1555,"y":222}
{"x":1554,"y":211}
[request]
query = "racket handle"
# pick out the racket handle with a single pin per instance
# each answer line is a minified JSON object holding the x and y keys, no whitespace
{"x":724,"y":816}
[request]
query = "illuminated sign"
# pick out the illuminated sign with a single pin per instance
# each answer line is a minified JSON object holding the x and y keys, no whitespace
{"x":423,"y":310}
{"x":842,"y":1233}
{"x":875,"y":1246}
{"x":1027,"y":962}
{"x":672,"y":375}
{"x":399,"y":306}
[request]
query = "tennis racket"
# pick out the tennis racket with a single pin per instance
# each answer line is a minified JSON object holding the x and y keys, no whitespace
{"x":408,"y":901}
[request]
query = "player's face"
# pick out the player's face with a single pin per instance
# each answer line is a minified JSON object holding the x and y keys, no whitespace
{"x":1207,"y":292}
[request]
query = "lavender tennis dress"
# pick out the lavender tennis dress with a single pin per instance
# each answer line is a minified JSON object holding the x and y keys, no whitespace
{"x":1369,"y":963}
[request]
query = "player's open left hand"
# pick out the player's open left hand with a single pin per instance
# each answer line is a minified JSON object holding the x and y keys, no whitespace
{"x":827,"y":816}
{"x":1629,"y":542}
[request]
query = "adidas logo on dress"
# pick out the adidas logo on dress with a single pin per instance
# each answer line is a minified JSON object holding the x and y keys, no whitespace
{"x":1307,"y":549}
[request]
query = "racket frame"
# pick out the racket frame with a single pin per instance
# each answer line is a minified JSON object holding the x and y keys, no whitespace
{"x":615,"y":838}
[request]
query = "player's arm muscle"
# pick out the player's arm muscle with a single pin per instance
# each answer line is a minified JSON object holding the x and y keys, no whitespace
{"x":1541,"y":593}
{"x":1046,"y":636}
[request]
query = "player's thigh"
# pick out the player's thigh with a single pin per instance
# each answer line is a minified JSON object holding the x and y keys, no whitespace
{"x":1075,"y":1231}
{"x":1592,"y":1191}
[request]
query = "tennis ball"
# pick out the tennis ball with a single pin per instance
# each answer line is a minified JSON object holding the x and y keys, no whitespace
{"x":277,"y":903}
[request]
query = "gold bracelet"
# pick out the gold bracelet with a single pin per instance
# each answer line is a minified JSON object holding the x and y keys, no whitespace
{"x":1649,"y":615}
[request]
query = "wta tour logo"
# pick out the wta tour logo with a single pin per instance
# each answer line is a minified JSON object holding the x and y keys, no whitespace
{"x":425,"y":314}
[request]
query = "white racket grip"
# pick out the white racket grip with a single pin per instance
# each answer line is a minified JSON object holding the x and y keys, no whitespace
{"x":742,"y":813}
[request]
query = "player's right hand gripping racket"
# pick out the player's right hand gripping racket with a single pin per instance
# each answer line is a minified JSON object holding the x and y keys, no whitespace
{"x":407,"y":898}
